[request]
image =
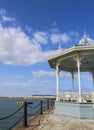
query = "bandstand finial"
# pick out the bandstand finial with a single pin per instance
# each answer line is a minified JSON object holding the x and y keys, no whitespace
{"x":86,"y":40}
{"x":60,"y":48}
{"x":84,"y":33}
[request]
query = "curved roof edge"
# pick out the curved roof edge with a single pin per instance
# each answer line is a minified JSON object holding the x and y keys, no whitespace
{"x":74,"y":48}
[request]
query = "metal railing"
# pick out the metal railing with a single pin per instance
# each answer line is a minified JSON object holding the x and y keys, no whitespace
{"x":29,"y":110}
{"x":11,"y":116}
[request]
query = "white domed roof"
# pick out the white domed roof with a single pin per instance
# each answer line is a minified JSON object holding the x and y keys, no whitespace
{"x":86,"y":40}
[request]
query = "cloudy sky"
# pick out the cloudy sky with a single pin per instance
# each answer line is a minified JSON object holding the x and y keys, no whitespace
{"x":31,"y":30}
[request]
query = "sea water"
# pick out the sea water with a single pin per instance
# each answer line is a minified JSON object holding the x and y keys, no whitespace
{"x":9,"y":106}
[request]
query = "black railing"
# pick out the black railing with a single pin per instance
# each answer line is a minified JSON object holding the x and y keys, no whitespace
{"x":11,"y":116}
{"x":29,"y":110}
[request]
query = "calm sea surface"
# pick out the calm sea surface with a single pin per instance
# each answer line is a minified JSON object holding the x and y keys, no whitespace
{"x":9,"y":106}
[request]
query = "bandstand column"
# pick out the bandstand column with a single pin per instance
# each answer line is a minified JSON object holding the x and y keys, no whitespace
{"x":93,"y":78}
{"x":57,"y":82}
{"x":79,"y":82}
{"x":72,"y":81}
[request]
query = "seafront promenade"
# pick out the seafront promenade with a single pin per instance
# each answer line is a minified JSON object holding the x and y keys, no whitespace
{"x":50,"y":121}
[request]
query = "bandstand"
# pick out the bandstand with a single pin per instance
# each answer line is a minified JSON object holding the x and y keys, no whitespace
{"x":79,"y":58}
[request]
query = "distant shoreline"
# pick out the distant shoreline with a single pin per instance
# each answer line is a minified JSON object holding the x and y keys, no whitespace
{"x":32,"y":97}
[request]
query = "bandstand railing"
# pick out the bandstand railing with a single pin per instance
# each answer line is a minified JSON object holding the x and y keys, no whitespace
{"x":74,"y":97}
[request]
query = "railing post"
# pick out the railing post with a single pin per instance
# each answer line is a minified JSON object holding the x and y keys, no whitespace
{"x":48,"y":104}
{"x":51,"y":102}
{"x":25,"y":115}
{"x":41,"y":107}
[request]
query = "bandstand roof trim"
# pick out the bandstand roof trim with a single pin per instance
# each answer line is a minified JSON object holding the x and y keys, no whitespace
{"x":68,"y":56}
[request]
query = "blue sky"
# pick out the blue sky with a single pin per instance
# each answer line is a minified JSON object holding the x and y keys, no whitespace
{"x":30,"y":30}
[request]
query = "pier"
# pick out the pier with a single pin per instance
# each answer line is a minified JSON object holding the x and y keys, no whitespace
{"x":31,"y":97}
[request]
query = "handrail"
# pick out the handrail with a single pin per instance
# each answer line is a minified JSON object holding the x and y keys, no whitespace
{"x":3,"y":118}
{"x":34,"y":106}
{"x":34,"y":113}
{"x":38,"y":107}
{"x":15,"y":123}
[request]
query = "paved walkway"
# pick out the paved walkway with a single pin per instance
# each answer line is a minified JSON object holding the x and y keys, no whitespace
{"x":56,"y":122}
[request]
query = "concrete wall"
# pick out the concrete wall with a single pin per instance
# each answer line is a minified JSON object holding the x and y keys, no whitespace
{"x":78,"y":110}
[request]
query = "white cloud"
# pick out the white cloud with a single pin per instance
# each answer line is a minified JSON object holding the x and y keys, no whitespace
{"x":29,"y":29}
{"x":14,"y":85}
{"x":47,"y":81}
{"x":4,"y":17}
{"x":19,"y":77}
{"x":65,"y":38}
{"x":86,"y":77}
{"x":41,"y":37}
{"x":37,"y":79}
{"x":2,"y":11}
{"x":16,"y":48}
{"x":73,"y":33}
{"x":57,"y":38}
{"x":48,"y":53}
{"x":54,"y":24}
{"x":32,"y":80}
{"x":23,"y":89}
{"x":42,"y":73}
{"x":54,"y":30}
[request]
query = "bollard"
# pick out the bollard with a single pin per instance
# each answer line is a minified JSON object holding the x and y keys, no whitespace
{"x":48,"y":104}
{"x":41,"y":107}
{"x":25,"y":115}
{"x":25,"y":112}
{"x":51,"y":102}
